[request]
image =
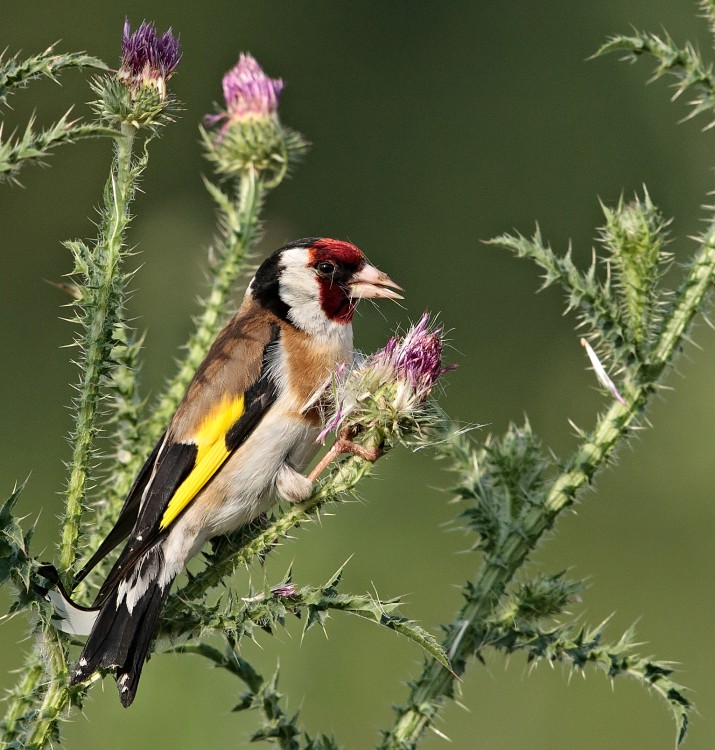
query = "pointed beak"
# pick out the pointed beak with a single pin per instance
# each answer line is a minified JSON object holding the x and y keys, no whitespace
{"x":370,"y":282}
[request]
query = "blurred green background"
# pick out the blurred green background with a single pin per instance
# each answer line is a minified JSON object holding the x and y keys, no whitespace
{"x":435,"y":126}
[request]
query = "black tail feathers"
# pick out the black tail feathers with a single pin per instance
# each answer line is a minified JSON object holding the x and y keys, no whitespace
{"x":122,"y":632}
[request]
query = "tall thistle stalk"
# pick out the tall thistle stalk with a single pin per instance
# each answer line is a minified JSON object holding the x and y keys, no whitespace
{"x":132,"y":101}
{"x":100,"y":293}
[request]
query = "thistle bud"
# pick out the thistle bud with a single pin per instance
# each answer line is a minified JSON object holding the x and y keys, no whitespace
{"x":636,"y":237}
{"x":285,"y":591}
{"x":250,"y":136}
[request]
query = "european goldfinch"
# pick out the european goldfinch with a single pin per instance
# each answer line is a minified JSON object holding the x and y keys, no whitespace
{"x":237,"y":443}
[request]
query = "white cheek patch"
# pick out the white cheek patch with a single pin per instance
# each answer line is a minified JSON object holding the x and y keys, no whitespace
{"x":298,"y":282}
{"x":300,"y":290}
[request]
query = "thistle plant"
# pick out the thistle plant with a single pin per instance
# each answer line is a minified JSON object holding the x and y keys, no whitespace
{"x":132,"y":109}
{"x":509,"y":490}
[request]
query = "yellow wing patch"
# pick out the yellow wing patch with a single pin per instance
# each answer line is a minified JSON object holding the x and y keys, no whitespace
{"x":210,"y":440}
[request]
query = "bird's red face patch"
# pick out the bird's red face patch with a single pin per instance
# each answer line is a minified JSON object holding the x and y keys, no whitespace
{"x":335,"y":262}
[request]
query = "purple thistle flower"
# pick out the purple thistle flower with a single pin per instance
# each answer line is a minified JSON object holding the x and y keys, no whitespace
{"x":394,"y":381}
{"x":248,"y":92}
{"x":148,"y":58}
{"x":417,"y":358}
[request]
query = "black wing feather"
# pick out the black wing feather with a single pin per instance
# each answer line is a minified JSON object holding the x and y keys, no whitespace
{"x":259,"y":398}
{"x":127,"y":515}
{"x":173,"y":466}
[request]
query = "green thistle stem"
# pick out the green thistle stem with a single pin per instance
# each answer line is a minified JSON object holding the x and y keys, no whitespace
{"x":57,"y":697}
{"x":98,"y":341}
{"x":436,"y":683}
{"x":688,"y":301}
{"x":128,"y":419}
{"x":21,"y":699}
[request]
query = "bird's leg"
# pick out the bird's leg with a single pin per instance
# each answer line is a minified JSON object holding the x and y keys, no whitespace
{"x":345,"y":444}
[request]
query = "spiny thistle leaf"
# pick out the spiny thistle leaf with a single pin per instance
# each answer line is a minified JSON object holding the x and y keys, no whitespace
{"x":684,"y":63}
{"x":504,"y":479}
{"x":517,"y":464}
{"x":268,"y":609}
{"x":320,"y":600}
{"x":16,"y":73}
{"x":543,"y":597}
{"x":597,"y":307}
{"x":34,"y":146}
{"x":15,"y":562}
{"x":581,"y":647}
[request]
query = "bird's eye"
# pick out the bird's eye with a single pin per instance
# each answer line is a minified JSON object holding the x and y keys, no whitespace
{"x":325,"y":268}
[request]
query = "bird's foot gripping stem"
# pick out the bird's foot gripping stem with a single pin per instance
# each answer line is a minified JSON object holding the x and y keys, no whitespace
{"x":346,"y":444}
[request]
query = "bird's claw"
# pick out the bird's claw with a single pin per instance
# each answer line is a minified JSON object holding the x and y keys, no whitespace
{"x":345,"y":444}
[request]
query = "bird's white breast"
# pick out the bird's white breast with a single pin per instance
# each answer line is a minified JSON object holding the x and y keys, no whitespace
{"x":247,"y":481}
